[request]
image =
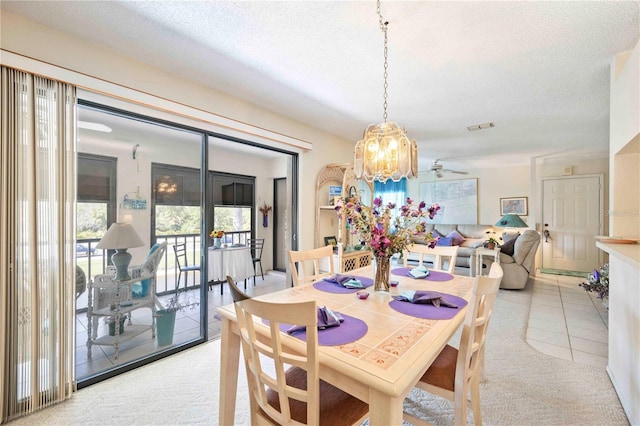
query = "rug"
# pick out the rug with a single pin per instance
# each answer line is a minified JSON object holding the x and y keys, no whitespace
{"x":564,"y":272}
{"x":523,"y":387}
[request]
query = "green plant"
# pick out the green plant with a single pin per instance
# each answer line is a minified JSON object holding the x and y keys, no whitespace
{"x":598,"y":281}
{"x":491,"y":240}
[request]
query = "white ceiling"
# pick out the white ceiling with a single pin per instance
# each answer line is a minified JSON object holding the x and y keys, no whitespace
{"x":539,"y":70}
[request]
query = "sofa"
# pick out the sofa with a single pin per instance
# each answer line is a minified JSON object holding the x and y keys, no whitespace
{"x":474,"y":236}
{"x":517,"y":262}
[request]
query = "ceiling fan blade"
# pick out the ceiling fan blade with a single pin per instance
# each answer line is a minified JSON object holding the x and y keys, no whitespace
{"x":459,"y":172}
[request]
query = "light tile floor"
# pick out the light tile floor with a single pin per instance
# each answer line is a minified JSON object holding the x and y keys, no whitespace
{"x":567,"y":322}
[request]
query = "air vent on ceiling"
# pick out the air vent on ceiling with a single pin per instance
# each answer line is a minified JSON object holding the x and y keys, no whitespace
{"x":481,"y":126}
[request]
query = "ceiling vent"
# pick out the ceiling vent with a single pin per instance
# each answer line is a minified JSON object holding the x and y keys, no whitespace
{"x":481,"y":126}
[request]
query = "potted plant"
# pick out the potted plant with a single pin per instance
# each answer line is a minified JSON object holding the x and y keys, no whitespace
{"x":217,"y":236}
{"x":598,"y":282}
{"x":166,"y":318}
{"x":491,"y":243}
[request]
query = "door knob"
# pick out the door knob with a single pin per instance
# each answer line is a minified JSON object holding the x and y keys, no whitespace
{"x":546,"y":235}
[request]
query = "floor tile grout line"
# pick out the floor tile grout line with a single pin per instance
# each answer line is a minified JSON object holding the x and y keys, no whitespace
{"x":566,"y":326}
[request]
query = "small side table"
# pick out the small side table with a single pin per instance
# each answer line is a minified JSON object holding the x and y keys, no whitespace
{"x":482,"y":251}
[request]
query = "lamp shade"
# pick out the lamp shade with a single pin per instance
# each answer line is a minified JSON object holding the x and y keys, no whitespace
{"x":511,"y":220}
{"x":120,"y":236}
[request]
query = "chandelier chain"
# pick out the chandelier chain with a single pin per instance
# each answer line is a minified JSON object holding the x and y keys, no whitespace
{"x":383,"y":27}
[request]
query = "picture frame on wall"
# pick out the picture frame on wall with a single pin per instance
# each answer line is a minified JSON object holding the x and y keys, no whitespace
{"x":330,"y":241}
{"x":514,"y":205}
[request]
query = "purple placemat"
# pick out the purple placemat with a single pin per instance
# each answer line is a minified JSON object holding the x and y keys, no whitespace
{"x":428,"y":311}
{"x":337,"y":288}
{"x":433,"y":275}
{"x":350,"y":330}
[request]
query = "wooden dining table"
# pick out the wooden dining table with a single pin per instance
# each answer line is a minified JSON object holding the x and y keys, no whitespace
{"x":381,"y":367}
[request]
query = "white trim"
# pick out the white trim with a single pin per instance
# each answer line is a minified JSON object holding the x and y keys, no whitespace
{"x":98,"y":88}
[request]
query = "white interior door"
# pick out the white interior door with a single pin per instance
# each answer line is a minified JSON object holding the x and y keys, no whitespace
{"x":572,"y":217}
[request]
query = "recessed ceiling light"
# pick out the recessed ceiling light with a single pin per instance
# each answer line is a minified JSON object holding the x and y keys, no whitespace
{"x":481,"y":126}
{"x":94,"y":126}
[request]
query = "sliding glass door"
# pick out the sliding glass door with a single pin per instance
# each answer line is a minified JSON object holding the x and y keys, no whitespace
{"x":173,"y":184}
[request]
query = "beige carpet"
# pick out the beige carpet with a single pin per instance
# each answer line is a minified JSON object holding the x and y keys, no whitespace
{"x":524,"y":387}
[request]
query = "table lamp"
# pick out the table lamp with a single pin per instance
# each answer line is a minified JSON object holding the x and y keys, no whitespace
{"x":120,"y":237}
{"x":511,"y":220}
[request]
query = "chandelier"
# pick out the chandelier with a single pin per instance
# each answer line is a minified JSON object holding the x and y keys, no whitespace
{"x":385,"y":151}
{"x":167,"y":185}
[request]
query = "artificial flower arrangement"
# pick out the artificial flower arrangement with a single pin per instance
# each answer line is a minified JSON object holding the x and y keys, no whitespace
{"x":216,"y":234}
{"x":175,"y":304}
{"x":376,"y":227}
{"x":598,"y":281}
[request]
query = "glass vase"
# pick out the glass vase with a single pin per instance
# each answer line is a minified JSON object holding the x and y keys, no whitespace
{"x":381,"y":267}
{"x":217,"y":242}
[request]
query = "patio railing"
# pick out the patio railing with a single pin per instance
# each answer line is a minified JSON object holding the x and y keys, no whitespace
{"x":94,"y":261}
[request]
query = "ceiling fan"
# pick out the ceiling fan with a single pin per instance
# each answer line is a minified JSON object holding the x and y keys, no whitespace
{"x":438,"y":170}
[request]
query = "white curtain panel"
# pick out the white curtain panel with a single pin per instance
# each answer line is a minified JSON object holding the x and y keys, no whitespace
{"x":37,"y":226}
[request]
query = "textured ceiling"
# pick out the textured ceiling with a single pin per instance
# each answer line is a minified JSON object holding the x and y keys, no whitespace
{"x":539,"y":70}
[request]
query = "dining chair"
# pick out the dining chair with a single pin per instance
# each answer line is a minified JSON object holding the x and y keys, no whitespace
{"x":237,"y":294}
{"x":438,"y":253}
{"x":180,"y":251}
{"x":456,"y":373}
{"x":284,"y":385}
{"x":303,"y":262}
{"x":256,"y":244}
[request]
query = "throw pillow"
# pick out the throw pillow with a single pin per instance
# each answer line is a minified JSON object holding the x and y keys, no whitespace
{"x":444,"y":241}
{"x":456,"y":238}
{"x":141,"y":288}
{"x":509,"y":246}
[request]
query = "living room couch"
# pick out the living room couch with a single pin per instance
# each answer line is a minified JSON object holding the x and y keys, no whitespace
{"x":474,"y":236}
{"x":517,"y":264}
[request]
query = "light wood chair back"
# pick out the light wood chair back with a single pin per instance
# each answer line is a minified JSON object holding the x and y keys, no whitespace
{"x":237,"y":294}
{"x":306,"y":265}
{"x":457,"y":372}
{"x":284,"y":385}
{"x":437,"y":254}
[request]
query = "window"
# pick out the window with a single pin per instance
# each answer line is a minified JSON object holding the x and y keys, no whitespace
{"x":391,"y":192}
{"x":233,"y":209}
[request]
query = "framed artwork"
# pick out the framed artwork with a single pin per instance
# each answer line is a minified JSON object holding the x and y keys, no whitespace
{"x":515,"y":205}
{"x":458,"y":200}
{"x":330,"y":240}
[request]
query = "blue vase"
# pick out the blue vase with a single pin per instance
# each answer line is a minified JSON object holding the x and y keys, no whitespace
{"x":165,"y":324}
{"x":217,"y":242}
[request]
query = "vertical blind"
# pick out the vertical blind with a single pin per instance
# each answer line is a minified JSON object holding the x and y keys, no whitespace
{"x":37,"y":271}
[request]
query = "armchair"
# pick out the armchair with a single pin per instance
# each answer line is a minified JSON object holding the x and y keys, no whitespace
{"x":518,"y":266}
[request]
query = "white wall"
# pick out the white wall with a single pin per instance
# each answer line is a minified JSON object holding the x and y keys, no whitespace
{"x":493,"y":183}
{"x":625,"y":144}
